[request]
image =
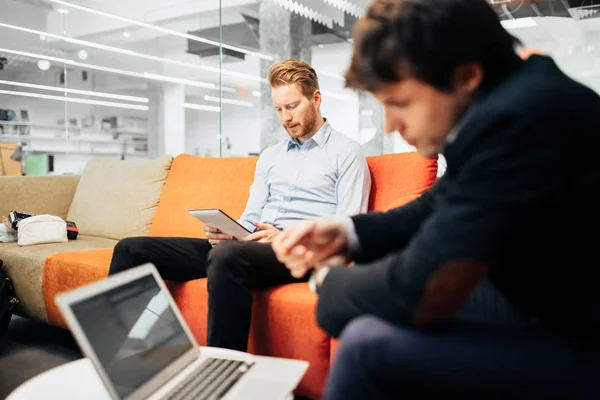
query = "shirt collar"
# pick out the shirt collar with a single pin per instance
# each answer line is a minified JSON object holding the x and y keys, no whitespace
{"x":320,"y":138}
{"x":460,"y":124}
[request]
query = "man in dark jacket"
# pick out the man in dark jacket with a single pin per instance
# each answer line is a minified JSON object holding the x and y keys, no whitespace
{"x":483,"y":285}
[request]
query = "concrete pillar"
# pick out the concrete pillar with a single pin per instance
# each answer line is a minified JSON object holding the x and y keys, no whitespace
{"x":169,"y":120}
{"x":284,"y":35}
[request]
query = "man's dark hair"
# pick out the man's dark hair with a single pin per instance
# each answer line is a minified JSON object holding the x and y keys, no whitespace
{"x":428,"y":40}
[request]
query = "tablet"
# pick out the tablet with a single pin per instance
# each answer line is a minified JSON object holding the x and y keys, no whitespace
{"x":220,"y":220}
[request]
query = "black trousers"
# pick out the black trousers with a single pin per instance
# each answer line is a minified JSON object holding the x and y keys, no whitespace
{"x":233,"y":268}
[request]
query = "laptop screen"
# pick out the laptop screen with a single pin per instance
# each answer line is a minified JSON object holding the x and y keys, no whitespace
{"x":133,"y":332}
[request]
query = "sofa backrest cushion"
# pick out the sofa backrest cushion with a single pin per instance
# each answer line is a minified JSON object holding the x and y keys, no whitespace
{"x":207,"y":182}
{"x":399,"y":178}
{"x":202,"y":182}
{"x":116,"y":199}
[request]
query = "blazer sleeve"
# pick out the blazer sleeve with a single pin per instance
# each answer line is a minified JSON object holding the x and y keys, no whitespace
{"x":382,"y":232}
{"x":496,"y":195}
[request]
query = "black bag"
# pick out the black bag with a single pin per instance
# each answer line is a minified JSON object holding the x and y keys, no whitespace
{"x":7,"y":300}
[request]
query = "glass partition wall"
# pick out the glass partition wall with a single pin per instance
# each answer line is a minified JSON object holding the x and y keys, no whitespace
{"x":137,"y":79}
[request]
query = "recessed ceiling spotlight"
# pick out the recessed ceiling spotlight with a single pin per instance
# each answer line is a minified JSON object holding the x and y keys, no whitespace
{"x":44,"y":65}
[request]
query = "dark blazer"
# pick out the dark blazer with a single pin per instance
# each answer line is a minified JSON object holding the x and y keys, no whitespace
{"x":518,"y":204}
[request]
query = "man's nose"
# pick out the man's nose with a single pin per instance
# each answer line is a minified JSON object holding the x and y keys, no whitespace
{"x":393,"y":124}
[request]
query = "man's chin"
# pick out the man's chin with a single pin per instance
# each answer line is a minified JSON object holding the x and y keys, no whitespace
{"x":428,"y":152}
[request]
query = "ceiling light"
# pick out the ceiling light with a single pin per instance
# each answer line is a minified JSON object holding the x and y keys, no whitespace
{"x":127,"y":34}
{"x":518,"y":23}
{"x":76,"y":91}
{"x":206,"y":85}
{"x":140,"y":55}
{"x":63,"y":10}
{"x":228,"y":101}
{"x":83,"y":55}
{"x":44,"y":65}
{"x":76,"y":100}
{"x":179,"y":80}
{"x":145,"y":75}
{"x":201,"y":107}
{"x":232,"y":73}
{"x":42,"y":37}
{"x":163,"y":30}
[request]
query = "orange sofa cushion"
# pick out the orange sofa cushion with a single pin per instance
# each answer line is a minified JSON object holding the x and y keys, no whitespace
{"x":202,"y":182}
{"x":66,"y":271}
{"x":397,"y":175}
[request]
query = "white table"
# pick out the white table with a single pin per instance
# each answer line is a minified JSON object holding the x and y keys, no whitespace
{"x":77,"y":380}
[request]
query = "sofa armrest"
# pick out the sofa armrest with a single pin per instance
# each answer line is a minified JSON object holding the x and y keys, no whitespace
{"x":37,"y":194}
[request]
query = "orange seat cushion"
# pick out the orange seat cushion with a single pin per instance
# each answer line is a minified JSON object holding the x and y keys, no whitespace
{"x":66,"y":271}
{"x":397,"y":175}
{"x":202,"y":182}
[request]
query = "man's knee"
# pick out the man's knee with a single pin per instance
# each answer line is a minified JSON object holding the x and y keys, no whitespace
{"x":223,"y":258}
{"x":366,"y":340}
{"x":127,"y":253}
{"x":131,"y":245}
{"x":361,"y":332}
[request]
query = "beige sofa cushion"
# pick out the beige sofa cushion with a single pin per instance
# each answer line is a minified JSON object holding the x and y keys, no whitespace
{"x":117,"y":199}
{"x":25,"y":266}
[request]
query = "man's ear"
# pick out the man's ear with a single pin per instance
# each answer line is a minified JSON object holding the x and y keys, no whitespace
{"x":468,"y":77}
{"x":317,"y":98}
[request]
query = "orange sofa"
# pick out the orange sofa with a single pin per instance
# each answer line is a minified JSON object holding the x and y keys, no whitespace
{"x":283,"y":317}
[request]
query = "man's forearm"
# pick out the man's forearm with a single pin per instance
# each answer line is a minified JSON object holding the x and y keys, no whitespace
{"x":380,"y":233}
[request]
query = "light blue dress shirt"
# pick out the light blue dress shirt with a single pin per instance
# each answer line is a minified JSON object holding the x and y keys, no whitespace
{"x":327,"y":176}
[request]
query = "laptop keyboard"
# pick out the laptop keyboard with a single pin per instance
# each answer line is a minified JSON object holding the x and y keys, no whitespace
{"x":211,"y":380}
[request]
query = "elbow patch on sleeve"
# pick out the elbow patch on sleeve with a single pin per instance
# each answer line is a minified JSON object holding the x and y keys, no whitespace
{"x":447,"y":289}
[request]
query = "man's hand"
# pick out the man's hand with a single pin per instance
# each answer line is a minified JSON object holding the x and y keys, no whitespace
{"x":215,"y":236}
{"x":526,"y":53}
{"x":265,"y":235}
{"x":309,"y":244}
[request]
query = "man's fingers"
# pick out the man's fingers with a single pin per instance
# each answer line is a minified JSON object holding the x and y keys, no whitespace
{"x":295,"y":236}
{"x":210,"y":229}
{"x":298,"y":251}
{"x":256,"y":236}
{"x":277,"y":243}
{"x":298,"y":272}
{"x":263,"y":227}
{"x":219,"y":236}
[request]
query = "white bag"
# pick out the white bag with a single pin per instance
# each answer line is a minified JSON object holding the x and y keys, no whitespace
{"x":42,"y":228}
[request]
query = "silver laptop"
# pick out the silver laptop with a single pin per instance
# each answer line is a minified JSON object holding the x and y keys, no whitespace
{"x":130,"y":328}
